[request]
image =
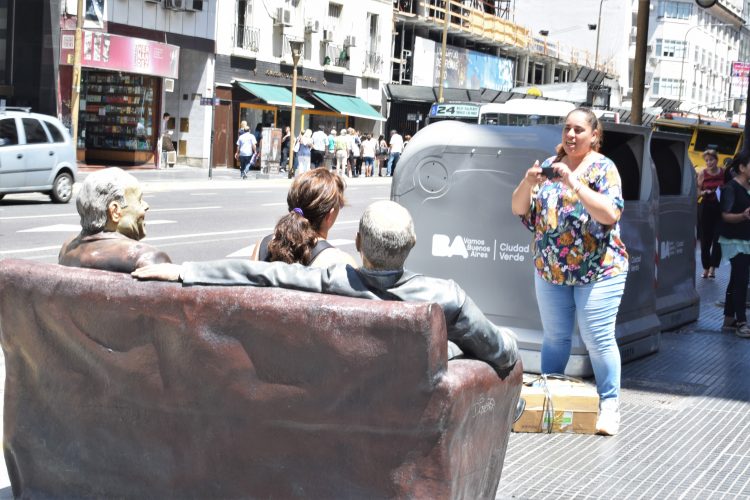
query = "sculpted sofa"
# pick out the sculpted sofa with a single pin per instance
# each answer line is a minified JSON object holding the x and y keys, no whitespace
{"x":120,"y":388}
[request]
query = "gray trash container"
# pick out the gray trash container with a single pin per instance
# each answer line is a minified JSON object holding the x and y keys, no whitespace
{"x":456,"y":179}
{"x":677,"y":300}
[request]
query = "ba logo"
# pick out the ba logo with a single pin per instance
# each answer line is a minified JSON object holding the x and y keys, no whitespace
{"x":442,"y":246}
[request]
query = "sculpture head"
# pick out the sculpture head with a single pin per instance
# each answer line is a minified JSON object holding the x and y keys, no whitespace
{"x":386,"y":236}
{"x":111,"y":200}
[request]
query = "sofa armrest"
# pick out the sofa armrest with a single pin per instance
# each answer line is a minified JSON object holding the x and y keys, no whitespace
{"x":474,"y":409}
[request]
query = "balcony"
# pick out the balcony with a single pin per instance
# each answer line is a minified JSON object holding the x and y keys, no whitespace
{"x":246,"y":38}
{"x":335,"y":57}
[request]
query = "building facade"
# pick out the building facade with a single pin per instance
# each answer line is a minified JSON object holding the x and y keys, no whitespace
{"x":341,"y":70}
{"x":488,"y":54}
{"x":140,"y":60}
{"x":691,"y":51}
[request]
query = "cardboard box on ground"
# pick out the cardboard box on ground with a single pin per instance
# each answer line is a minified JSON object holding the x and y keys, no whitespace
{"x":574,"y":404}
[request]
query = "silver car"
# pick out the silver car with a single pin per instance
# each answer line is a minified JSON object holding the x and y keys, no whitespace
{"x":36,"y":155}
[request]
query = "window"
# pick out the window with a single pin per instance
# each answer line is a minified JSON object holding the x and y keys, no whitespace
{"x":666,"y":87}
{"x":8,"y":132}
{"x":670,"y":48}
{"x":35,"y":133}
{"x":675,"y":10}
{"x":334,"y":14}
{"x":57,"y":136}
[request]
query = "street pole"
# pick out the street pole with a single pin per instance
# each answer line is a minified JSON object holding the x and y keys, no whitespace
{"x":598,"y":31}
{"x":746,"y":142}
{"x":443,"y":49}
{"x":75,"y":94}
{"x":639,"y":65}
{"x":682,"y":65}
{"x":296,"y":48}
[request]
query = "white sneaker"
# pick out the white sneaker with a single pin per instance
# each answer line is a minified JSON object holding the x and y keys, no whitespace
{"x":608,"y":423}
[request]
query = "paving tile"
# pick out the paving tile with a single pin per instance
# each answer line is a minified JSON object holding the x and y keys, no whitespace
{"x":685,"y":430}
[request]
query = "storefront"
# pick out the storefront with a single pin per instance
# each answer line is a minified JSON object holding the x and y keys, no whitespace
{"x":261,"y":94}
{"x":122,"y":82}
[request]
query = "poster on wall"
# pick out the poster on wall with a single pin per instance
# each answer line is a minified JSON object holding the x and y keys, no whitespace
{"x":464,"y":69}
{"x":94,"y":14}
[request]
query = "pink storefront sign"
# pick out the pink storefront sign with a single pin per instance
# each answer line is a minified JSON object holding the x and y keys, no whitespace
{"x":122,"y":53}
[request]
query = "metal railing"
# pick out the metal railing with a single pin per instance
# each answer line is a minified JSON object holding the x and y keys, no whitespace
{"x":336,"y":55}
{"x":246,"y":37}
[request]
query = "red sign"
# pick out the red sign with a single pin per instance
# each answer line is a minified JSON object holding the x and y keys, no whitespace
{"x":122,"y":53}
{"x":740,"y":70}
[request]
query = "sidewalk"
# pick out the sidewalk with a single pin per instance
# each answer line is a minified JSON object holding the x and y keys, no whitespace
{"x":685,"y":429}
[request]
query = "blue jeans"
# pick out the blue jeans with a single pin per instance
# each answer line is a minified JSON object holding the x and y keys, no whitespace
{"x":392,"y":162}
{"x":244,"y":165}
{"x":595,"y":307}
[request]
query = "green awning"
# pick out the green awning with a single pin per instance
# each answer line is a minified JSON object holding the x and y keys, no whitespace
{"x":351,"y":106}
{"x":273,"y":94}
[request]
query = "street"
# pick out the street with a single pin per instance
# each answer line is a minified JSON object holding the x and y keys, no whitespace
{"x":191,"y":217}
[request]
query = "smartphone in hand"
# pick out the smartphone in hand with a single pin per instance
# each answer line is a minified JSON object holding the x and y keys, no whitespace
{"x":550,"y":173}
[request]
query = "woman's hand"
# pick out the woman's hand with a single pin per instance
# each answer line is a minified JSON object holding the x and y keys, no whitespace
{"x":534,"y":175}
{"x":521,"y":199}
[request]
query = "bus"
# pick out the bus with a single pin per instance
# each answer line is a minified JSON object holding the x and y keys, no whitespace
{"x":462,"y":111}
{"x":525,"y":112}
{"x":726,"y":138}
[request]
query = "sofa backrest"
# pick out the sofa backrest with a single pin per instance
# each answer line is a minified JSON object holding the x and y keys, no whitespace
{"x":117,"y":387}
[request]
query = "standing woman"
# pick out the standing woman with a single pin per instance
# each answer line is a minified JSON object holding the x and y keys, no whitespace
{"x":709,"y":213}
{"x":382,"y":152}
{"x":284,"y":161}
{"x":305,"y":147}
{"x":735,"y":243}
{"x":581,"y":263}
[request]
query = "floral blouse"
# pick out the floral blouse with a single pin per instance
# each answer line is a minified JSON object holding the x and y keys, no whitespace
{"x":570,"y":247}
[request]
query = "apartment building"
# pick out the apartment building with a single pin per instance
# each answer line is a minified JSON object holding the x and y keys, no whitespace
{"x":691,"y":51}
{"x":140,"y":59}
{"x":341,"y":69}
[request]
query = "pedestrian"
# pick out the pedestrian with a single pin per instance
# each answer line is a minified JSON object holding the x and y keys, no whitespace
{"x":396,"y":147}
{"x":735,"y":244}
{"x":258,"y":134}
{"x":382,"y":154}
{"x":304,"y":153}
{"x":354,"y":152}
{"x":331,"y":154}
{"x":246,"y":150}
{"x":164,"y":148}
{"x":319,"y":146}
{"x":314,"y":201}
{"x":341,"y":148}
{"x":710,"y":179}
{"x":368,"y":154}
{"x":573,"y":204}
{"x":284,"y":161}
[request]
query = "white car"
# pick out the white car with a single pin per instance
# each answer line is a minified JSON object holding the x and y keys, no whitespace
{"x":36,"y":155}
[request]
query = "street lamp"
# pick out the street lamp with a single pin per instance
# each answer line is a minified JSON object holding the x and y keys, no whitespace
{"x":296,"y":47}
{"x":685,"y":51}
{"x":598,"y":30}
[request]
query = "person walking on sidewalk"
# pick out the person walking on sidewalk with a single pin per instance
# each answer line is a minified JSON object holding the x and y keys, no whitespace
{"x":396,"y":147}
{"x":246,"y":151}
{"x":735,"y":244}
{"x":319,"y":147}
{"x":710,"y":179}
{"x":573,"y":203}
{"x":342,"y":147}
